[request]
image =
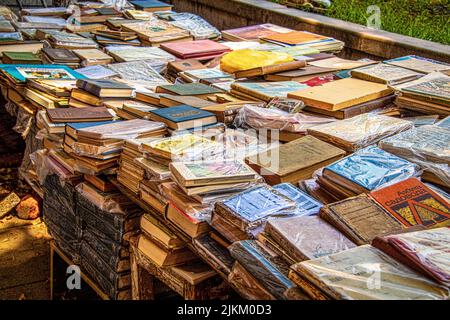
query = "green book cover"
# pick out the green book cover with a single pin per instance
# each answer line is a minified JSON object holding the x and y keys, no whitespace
{"x":22,"y":56}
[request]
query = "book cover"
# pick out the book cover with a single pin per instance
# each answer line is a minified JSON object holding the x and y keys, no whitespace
{"x":419,"y":64}
{"x":143,"y":4}
{"x":306,"y":238}
{"x":295,"y":38}
{"x":86,"y":114}
{"x":268,"y":90}
{"x":306,"y":205}
{"x":385,"y":73}
{"x":438,"y":87}
{"x":188,"y":89}
{"x":21,"y":73}
{"x":254,"y":32}
{"x":413,"y":203}
{"x":195,"y":48}
{"x":360,"y":218}
{"x":373,"y":168}
{"x":366,"y":273}
{"x":181,"y":113}
{"x":425,"y":251}
{"x":21,"y":56}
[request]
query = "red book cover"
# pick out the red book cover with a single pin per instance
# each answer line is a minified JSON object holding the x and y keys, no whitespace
{"x":195,"y":48}
{"x":412,"y":203}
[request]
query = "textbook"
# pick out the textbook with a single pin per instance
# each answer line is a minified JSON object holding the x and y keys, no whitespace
{"x":183,"y":117}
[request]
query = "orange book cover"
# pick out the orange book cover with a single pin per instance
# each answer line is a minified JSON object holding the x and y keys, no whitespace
{"x":412,"y":203}
{"x":295,"y":37}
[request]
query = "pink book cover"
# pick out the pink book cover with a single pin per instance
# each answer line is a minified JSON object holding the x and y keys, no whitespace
{"x":195,"y":48}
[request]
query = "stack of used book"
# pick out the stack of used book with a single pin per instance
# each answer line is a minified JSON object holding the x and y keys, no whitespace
{"x":427,"y":95}
{"x":60,"y":56}
{"x":199,"y":49}
{"x":91,"y":57}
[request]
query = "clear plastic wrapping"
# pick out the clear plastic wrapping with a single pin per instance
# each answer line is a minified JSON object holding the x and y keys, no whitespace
{"x":360,"y":131}
{"x":104,"y":203}
{"x":428,"y":146}
{"x":198,"y":27}
{"x":264,"y":118}
{"x":426,"y":251}
{"x":246,"y":284}
{"x":365,"y":273}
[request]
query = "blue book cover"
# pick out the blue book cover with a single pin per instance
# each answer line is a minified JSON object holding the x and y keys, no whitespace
{"x":22,"y":72}
{"x":181,"y":113}
{"x":259,"y":203}
{"x":372,"y":168}
{"x":150,"y":4}
{"x":273,"y":89}
{"x":306,"y":205}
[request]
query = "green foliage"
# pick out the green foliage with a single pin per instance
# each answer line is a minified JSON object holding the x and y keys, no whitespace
{"x":425,"y":19}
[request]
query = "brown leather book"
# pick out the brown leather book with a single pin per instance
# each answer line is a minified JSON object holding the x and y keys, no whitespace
{"x":360,"y":218}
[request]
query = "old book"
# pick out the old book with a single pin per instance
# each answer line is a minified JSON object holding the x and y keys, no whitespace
{"x":307,"y":237}
{"x":195,"y":49}
{"x":61,"y":55}
{"x":151,"y":5}
{"x":295,"y":38}
{"x":419,"y":64}
{"x":295,"y":160}
{"x":100,"y":182}
{"x":170,"y":100}
{"x":188,"y":223}
{"x":6,"y":26}
{"x":195,"y":272}
{"x":359,"y":131}
{"x":271,"y":272}
{"x":261,"y":71}
{"x":412,"y":203}
{"x":306,"y":205}
{"x":360,"y":218}
{"x":426,"y":251}
{"x":202,"y":173}
{"x":369,"y":169}
{"x":92,"y":114}
{"x":45,"y":100}
{"x":185,"y":65}
{"x":10,"y":37}
{"x":350,"y":275}
{"x":201,"y":75}
{"x":25,"y":46}
{"x":268,"y":90}
{"x":106,"y":88}
{"x":355,"y":110}
{"x":385,"y":73}
{"x":20,"y":57}
{"x":159,"y":233}
{"x":341,"y":94}
{"x":251,"y":208}
{"x":96,"y":72}
{"x":188,"y":89}
{"x":253,"y":32}
{"x":341,"y":64}
{"x":161,"y":257}
{"x":303,"y":74}
{"x":183,"y":117}
{"x":435,"y":90}
{"x":93,"y":56}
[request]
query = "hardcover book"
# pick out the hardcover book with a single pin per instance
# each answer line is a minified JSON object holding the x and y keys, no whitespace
{"x":261,"y":71}
{"x":413,"y":203}
{"x":295,"y":38}
{"x":88,"y":114}
{"x":359,"y":131}
{"x":183,"y":117}
{"x":306,"y":238}
{"x":20,"y":57}
{"x":349,"y":275}
{"x":295,"y":160}
{"x":253,"y":32}
{"x":369,"y":169}
{"x":195,"y":49}
{"x":151,"y":5}
{"x":188,"y":89}
{"x":419,"y":64}
{"x":266,"y":91}
{"x":360,"y":218}
{"x":105,"y":88}
{"x":385,"y":73}
{"x":341,"y":94}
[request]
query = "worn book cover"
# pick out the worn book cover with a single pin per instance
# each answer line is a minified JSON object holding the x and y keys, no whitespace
{"x":413,"y":203}
{"x":295,"y":160}
{"x":253,"y":206}
{"x":419,"y":64}
{"x":306,"y":238}
{"x":187,"y":89}
{"x":360,"y":218}
{"x":268,"y":90}
{"x":183,"y":117}
{"x":271,"y":272}
{"x":359,"y":131}
{"x":366,"y":273}
{"x":295,"y":38}
{"x":91,"y":114}
{"x":437,"y":88}
{"x":369,"y":169}
{"x":193,"y":49}
{"x":202,"y":173}
{"x":426,"y":251}
{"x":306,"y":205}
{"x":253,"y":32}
{"x":385,"y":73}
{"x":341,"y":94}
{"x":61,"y":55}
